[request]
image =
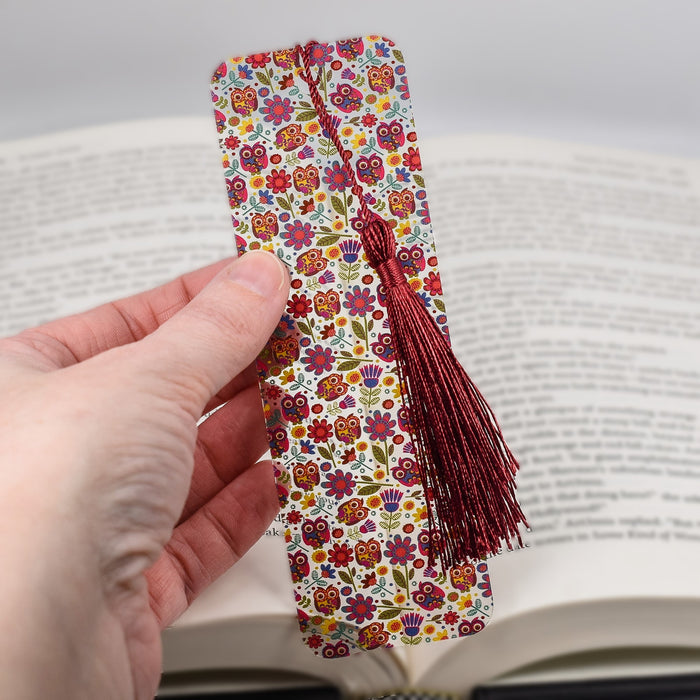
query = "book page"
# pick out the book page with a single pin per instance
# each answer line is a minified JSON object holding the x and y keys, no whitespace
{"x":572,"y":279}
{"x":95,"y":214}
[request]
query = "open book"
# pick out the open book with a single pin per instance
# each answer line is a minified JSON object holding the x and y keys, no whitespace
{"x":572,"y":277}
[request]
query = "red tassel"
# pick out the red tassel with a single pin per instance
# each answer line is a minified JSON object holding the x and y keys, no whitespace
{"x":467,"y":470}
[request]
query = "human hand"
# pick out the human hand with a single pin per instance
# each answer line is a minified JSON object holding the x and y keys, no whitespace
{"x":117,"y":510}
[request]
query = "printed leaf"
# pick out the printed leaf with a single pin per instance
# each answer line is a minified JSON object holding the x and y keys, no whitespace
{"x":368,"y":490}
{"x":283,"y":203}
{"x":399,"y":578}
{"x":262,"y":77}
{"x":398,"y":55}
{"x":325,"y":453}
{"x":359,"y":330}
{"x":304,"y":327}
{"x":419,"y":180}
{"x":327,"y":240}
{"x":349,"y":200}
{"x":389,"y":614}
{"x":308,"y":105}
{"x":325,"y":229}
{"x":439,"y":304}
{"x":306,"y":116}
{"x":347,"y":365}
{"x":344,"y":576}
{"x":378,"y":454}
{"x":338,"y":205}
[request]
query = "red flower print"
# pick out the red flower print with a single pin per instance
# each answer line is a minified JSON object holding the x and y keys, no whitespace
{"x":232,"y":141}
{"x":337,"y":178}
{"x":299,"y":306}
{"x":278,"y":181}
{"x":411,"y":159}
{"x":340,"y":555}
{"x":307,"y":206}
{"x":339,"y":484}
{"x":360,"y":608}
{"x":294,"y":517}
{"x":315,"y":641}
{"x":320,"y":54}
{"x":400,"y":550}
{"x":318,"y":359}
{"x":321,"y":431}
{"x":286,"y":81}
{"x":451,"y":618}
{"x":358,"y":301}
{"x":432,"y":284}
{"x":328,"y":331}
{"x":348,"y":456}
{"x":297,"y":234}
{"x":277,"y":109}
{"x":369,"y":120}
{"x":380,"y":426}
{"x":258,"y":60}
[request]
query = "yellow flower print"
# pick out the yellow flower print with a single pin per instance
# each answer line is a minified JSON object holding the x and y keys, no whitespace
{"x":399,"y":598}
{"x":374,"y":501}
{"x":382,"y":570}
{"x":394,"y":159}
{"x":319,"y":556}
{"x":312,"y":128}
{"x":388,"y":380}
{"x":429,"y":629}
{"x":333,"y":252}
{"x":384,"y":105}
{"x":346,"y":131}
{"x":328,"y":625}
{"x":379,"y":475}
{"x":420,"y":514}
{"x":359,"y":141}
{"x":245,"y":127}
{"x":394,"y":626}
{"x":338,"y":225}
{"x":409,"y":504}
{"x":308,"y":501}
{"x":298,"y":432}
{"x":320,"y":196}
{"x":397,"y":391}
{"x":287,"y":376}
{"x":354,"y":376}
{"x":464,"y":602}
{"x":257,"y":182}
{"x":441,"y":635}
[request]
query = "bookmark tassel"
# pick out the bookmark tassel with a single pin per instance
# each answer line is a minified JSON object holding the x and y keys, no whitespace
{"x":467,"y":470}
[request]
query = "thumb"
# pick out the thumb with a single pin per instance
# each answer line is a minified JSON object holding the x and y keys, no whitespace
{"x":221,"y":331}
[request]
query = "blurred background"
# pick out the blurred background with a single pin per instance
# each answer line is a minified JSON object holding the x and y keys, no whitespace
{"x":610,"y":72}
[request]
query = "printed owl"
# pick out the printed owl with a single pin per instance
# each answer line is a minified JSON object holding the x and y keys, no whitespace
{"x":265,"y":226}
{"x":284,"y":350}
{"x":237,"y":191}
{"x":402,"y":204}
{"x":327,"y":600}
{"x":311,"y":262}
{"x":429,"y":596}
{"x":368,"y":553}
{"x":424,"y":540}
{"x":351,"y":48}
{"x":370,"y":169}
{"x":327,"y":304}
{"x":285,"y":58}
{"x":384,"y":348}
{"x":372,"y":636}
{"x":407,"y":472}
{"x":244,"y":100}
{"x":220,"y":72}
{"x":220,"y":120}
{"x":295,"y":408}
{"x":298,"y":565}
{"x":346,"y":98}
{"x":352,"y":512}
{"x":315,"y":533}
{"x":290,"y":137}
{"x":306,"y":476}
{"x":390,"y":136}
{"x":381,"y":78}
{"x":306,"y":180}
{"x":463,"y":577}
{"x":279,"y":442}
{"x":253,"y":157}
{"x":331,"y":387}
{"x":412,"y":260}
{"x":348,"y":429}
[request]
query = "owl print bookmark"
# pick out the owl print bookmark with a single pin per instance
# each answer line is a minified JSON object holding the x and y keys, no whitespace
{"x":322,"y":167}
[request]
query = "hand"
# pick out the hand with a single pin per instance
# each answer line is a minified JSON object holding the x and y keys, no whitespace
{"x":117,"y":511}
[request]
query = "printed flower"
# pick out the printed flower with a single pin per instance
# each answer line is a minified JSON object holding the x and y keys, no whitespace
{"x":315,"y":641}
{"x":381,"y":50}
{"x":327,"y":571}
{"x":402,"y":175}
{"x":244,"y":72}
{"x":299,"y":306}
{"x":369,"y":119}
{"x":328,"y":331}
{"x":411,"y":159}
{"x":294,"y":517}
{"x":232,"y":141}
{"x":286,"y":81}
{"x":348,"y":456}
{"x":360,"y":608}
{"x":265,"y":197}
{"x":400,"y":550}
{"x":336,"y":177}
{"x":307,"y":206}
{"x":380,"y":426}
{"x":359,"y":301}
{"x":350,"y":248}
{"x":277,"y":109}
{"x":320,"y":54}
{"x":307,"y":448}
{"x":339,"y":484}
{"x":297,"y":235}
{"x":279,"y":181}
{"x":320,"y":430}
{"x":451,"y":618}
{"x":411,"y":623}
{"x":258,"y":60}
{"x":432,"y":283}
{"x":318,"y":360}
{"x":370,"y":374}
{"x":391,"y":499}
{"x":340,"y":555}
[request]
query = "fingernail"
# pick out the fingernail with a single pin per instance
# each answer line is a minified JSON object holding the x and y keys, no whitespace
{"x":259,"y":271}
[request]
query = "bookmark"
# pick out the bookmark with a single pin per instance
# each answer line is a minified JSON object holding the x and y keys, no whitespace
{"x":392,"y":471}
